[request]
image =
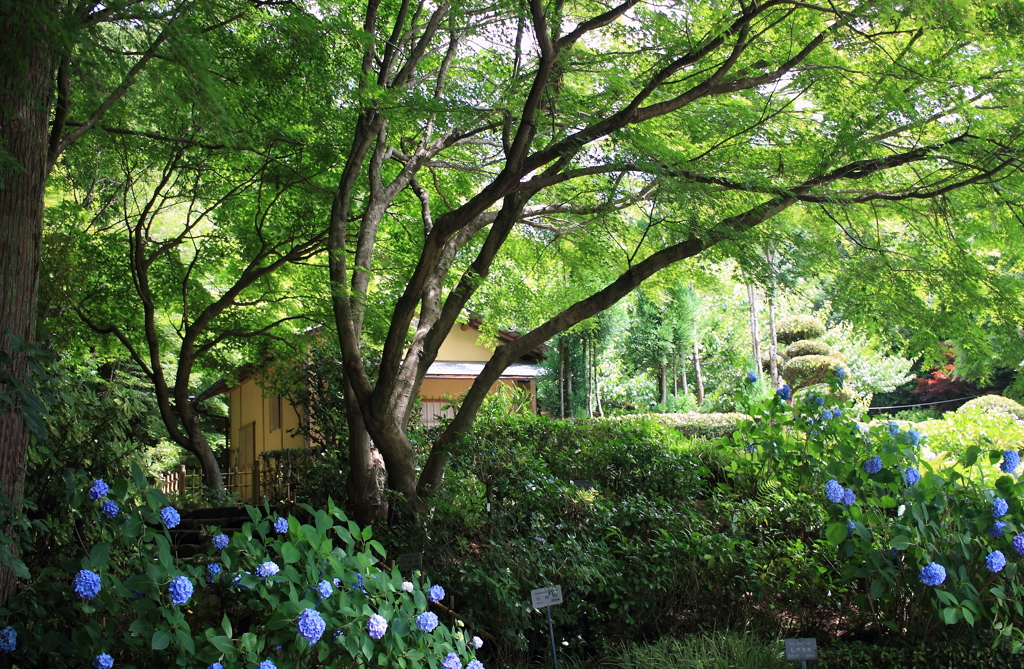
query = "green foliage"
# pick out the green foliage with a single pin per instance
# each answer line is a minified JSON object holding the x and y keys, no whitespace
{"x":967,"y":651}
{"x":993,"y":404}
{"x":807,"y":347}
{"x":236,"y":618}
{"x":727,"y":650}
{"x":808,"y":370}
{"x":706,"y":426}
{"x":896,"y":528}
{"x":794,"y":328}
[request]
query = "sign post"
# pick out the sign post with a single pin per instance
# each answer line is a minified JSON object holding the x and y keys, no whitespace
{"x":802,"y":650}
{"x":545,"y":598}
{"x":408,"y":562}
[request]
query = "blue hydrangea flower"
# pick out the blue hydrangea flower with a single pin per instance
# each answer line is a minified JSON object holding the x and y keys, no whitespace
{"x":237,"y":582}
{"x":997,"y":529}
{"x":180,"y":590}
{"x":834,"y":491}
{"x":170,"y":516}
{"x":873,"y":465}
{"x":819,"y":400}
{"x":426,"y":622}
{"x":856,"y":429}
{"x":451,"y":661}
{"x":915,"y":437}
{"x":785,"y":392}
{"x":110,"y":509}
{"x":850,"y":527}
{"x":311,"y":625}
{"x":99,"y":489}
{"x":376,"y":626}
{"x":849,"y":498}
{"x":436,"y":593}
{"x":220,"y":541}
{"x":267,"y":664}
{"x":837,"y":412}
{"x":476,"y":642}
{"x":216,"y":665}
{"x":999,"y":507}
{"x":911,"y":476}
{"x":103,"y":661}
{"x":475,"y":664}
{"x":8,"y":639}
{"x":86,"y":584}
{"x":826,"y":415}
{"x":281,"y":526}
{"x":267,"y":569}
{"x":1011,"y":460}
{"x":212,"y":572}
{"x":325,"y":589}
{"x":840,"y":372}
{"x":359,"y":583}
{"x":932,"y":574}
{"x":995,"y":561}
{"x":1018,"y":543}
{"x":894,"y":428}
{"x":752,"y":376}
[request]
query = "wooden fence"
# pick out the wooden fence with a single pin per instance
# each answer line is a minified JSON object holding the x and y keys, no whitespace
{"x":243,"y":481}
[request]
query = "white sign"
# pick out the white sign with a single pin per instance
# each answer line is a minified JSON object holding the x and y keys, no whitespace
{"x":542,"y":597}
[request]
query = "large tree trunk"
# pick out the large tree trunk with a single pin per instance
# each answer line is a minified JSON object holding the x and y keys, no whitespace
{"x":697,"y":373}
{"x":663,"y":384}
{"x":755,"y":338}
{"x":26,"y":86}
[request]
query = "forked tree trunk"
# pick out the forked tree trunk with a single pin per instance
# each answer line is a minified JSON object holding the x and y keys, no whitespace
{"x":365,"y":486}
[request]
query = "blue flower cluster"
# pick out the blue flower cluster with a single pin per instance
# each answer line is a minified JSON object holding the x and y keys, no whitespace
{"x":8,"y":639}
{"x":1011,"y":460}
{"x":267,"y":569}
{"x":216,"y":665}
{"x":281,"y":526}
{"x":267,"y":664}
{"x":103,"y":661}
{"x":999,"y":507}
{"x":873,"y":465}
{"x":237,"y":581}
{"x":894,"y":428}
{"x":325,"y":589}
{"x":785,"y":392}
{"x":212,"y":572}
{"x":840,"y":372}
{"x":110,"y":509}
{"x":451,"y":661}
{"x":911,"y":476}
{"x":834,"y":491}
{"x":359,"y":583}
{"x":476,"y":642}
{"x":1018,"y":543}
{"x":826,"y":415}
{"x":311,"y":625}
{"x":995,"y":561}
{"x":997,"y":529}
{"x":933,"y":574}
{"x":99,"y":489}
{"x":436,"y":593}
{"x":426,"y":622}
{"x":819,"y":400}
{"x":914,"y":436}
{"x":170,"y":516}
{"x":86,"y":584}
{"x":220,"y":541}
{"x":849,"y":498}
{"x":376,"y":627}
{"x":180,"y":590}
{"x":850,"y":527}
{"x":752,"y":376}
{"x":475,"y":664}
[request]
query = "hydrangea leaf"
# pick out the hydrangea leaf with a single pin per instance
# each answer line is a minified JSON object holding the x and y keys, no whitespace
{"x":161,"y":639}
{"x":951,"y":615}
{"x":289,"y":553}
{"x":836,"y":533}
{"x":900,"y":543}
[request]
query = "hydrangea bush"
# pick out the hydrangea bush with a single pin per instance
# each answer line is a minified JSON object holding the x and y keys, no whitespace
{"x":926,"y":548}
{"x":265,"y":596}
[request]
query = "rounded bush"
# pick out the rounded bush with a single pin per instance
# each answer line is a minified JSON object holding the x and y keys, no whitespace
{"x":795,"y":328}
{"x":807,"y":347}
{"x":808,"y":370}
{"x":993,"y":404}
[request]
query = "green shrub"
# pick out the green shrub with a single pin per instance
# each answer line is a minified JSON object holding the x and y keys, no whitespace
{"x":807,"y":347}
{"x":708,"y":426}
{"x":808,"y":370}
{"x":994,"y":404}
{"x":969,"y":651}
{"x":794,"y":328}
{"x":238,"y":616}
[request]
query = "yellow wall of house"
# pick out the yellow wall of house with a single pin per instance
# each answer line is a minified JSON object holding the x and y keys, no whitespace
{"x":464,"y":345}
{"x":248,"y":405}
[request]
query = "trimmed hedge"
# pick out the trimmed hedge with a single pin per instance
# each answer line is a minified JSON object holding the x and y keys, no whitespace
{"x":795,"y":328}
{"x":808,"y":347}
{"x":963,"y":652}
{"x":994,"y":404}
{"x":701,"y":425}
{"x":808,"y":370}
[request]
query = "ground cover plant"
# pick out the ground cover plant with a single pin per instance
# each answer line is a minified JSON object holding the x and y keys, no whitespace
{"x":277,"y":594}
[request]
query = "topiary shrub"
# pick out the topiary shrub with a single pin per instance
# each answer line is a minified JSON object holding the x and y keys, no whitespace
{"x":808,"y":370}
{"x":996,"y":404}
{"x":795,"y":328}
{"x":807,"y":347}
{"x":701,"y":425}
